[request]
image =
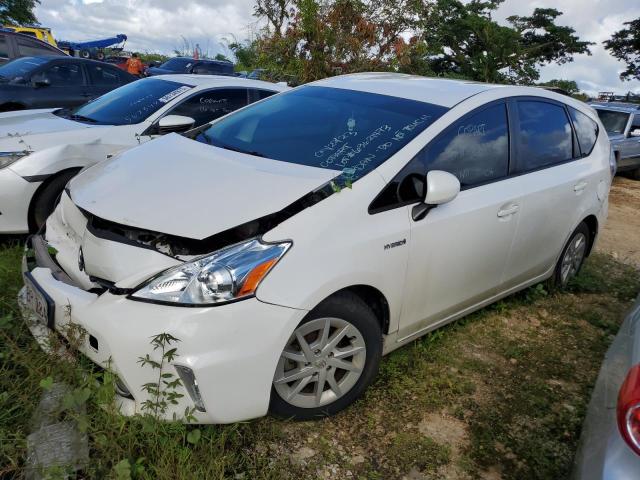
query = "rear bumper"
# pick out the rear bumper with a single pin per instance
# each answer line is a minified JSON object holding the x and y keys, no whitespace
{"x":603,"y":454}
{"x":232,"y":349}
{"x":15,"y":196}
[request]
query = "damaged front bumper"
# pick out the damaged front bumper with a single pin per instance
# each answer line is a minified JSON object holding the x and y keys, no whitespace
{"x":226,"y":355}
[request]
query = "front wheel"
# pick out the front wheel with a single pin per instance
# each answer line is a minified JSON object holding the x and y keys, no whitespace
{"x":329,"y":360}
{"x":572,"y":257}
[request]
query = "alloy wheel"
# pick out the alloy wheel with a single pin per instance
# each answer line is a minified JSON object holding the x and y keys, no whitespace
{"x":573,"y":257}
{"x":322,"y":361}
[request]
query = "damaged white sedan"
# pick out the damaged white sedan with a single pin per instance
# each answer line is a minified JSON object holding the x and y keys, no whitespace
{"x":40,"y":150}
{"x":291,"y":244}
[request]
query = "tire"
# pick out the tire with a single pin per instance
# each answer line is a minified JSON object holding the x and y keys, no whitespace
{"x":572,"y":257}
{"x":85,"y":54}
{"x":356,"y":327}
{"x":47,"y":198}
{"x":635,"y":174}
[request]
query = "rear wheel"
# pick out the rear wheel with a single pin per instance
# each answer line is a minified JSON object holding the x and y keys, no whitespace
{"x":572,"y":258}
{"x":635,"y":174}
{"x":47,"y":198}
{"x":329,"y":360}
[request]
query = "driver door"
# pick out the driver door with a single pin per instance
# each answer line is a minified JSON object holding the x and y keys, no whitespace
{"x":66,"y":86}
{"x":459,"y":251}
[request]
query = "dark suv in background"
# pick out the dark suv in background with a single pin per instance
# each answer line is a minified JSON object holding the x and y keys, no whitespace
{"x":16,"y":45}
{"x":191,"y":65}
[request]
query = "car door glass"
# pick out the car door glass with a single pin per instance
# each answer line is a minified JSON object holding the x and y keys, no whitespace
{"x":4,"y":47}
{"x":586,"y":131}
{"x":544,"y":135}
{"x":206,"y":106}
{"x":30,"y":48}
{"x":103,"y":76}
{"x":475,"y":149}
{"x":257,"y":94}
{"x":61,"y":75}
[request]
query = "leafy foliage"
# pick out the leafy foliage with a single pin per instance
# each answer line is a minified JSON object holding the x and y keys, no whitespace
{"x":18,"y":12}
{"x":625,"y":46}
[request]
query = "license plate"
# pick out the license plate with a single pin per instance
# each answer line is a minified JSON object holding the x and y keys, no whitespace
{"x":38,"y":301}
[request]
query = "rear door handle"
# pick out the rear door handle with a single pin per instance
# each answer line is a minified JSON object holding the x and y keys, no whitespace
{"x":578,"y":187}
{"x":505,"y":212}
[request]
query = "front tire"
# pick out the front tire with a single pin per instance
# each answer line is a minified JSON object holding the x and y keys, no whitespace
{"x":329,"y":360}
{"x":47,"y":198}
{"x":572,"y":257}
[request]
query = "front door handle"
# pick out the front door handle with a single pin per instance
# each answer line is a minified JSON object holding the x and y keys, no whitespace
{"x":578,"y":187}
{"x":505,"y":212}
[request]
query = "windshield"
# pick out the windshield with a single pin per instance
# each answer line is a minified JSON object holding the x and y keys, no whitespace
{"x":614,"y":122}
{"x":176,"y":64}
{"x":346,"y":130}
{"x":20,"y":67}
{"x":129,"y":104}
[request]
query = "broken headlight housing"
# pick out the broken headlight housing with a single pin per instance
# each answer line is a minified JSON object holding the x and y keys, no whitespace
{"x":7,"y":158}
{"x":229,"y":274}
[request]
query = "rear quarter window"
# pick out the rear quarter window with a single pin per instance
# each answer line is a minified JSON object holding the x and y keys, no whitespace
{"x":586,"y":131}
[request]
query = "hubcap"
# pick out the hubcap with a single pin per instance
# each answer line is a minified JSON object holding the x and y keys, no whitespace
{"x":321,"y":362}
{"x":573,"y":257}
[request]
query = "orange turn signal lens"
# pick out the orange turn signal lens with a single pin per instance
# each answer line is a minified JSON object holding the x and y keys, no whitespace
{"x":254,"y":277}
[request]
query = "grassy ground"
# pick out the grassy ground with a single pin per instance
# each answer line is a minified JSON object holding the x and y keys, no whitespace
{"x":498,"y":395}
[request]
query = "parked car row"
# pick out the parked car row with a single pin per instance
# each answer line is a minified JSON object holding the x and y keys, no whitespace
{"x":44,"y":148}
{"x":291,"y":243}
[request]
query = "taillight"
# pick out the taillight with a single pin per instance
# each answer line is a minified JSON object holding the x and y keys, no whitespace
{"x":613,"y":165}
{"x":628,"y":411}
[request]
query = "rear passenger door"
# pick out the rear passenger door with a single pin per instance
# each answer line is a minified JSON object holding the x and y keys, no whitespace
{"x":102,"y":79}
{"x":555,"y":178}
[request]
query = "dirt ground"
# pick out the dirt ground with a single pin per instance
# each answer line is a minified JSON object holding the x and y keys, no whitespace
{"x":621,"y":235}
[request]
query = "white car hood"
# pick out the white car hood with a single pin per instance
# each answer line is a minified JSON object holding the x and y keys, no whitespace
{"x":36,"y":130}
{"x":181,"y":187}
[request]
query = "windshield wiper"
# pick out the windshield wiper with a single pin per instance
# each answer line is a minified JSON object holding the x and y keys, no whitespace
{"x":80,"y":118}
{"x":237,"y":149}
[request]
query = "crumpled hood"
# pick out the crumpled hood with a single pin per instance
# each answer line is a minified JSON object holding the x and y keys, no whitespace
{"x":38,"y":129}
{"x":181,"y":187}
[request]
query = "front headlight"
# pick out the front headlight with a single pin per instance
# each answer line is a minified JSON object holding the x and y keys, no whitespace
{"x":7,"y":158}
{"x":228,"y":274}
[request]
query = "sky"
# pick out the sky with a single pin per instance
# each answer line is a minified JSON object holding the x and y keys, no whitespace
{"x":157,"y":26}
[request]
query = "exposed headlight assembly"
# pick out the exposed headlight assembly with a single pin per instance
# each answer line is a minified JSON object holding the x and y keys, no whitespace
{"x":7,"y":158}
{"x":229,"y":274}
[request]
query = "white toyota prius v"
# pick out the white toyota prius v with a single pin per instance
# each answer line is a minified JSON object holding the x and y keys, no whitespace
{"x":289,"y":245}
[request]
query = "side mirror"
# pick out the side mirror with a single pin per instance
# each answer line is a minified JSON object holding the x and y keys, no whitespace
{"x":41,"y":82}
{"x":442,"y":187}
{"x":175,"y":123}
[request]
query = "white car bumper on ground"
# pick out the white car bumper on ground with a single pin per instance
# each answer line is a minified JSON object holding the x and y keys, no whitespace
{"x":15,"y":196}
{"x":232,"y":349}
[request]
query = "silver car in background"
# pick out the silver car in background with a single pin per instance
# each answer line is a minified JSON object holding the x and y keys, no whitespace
{"x":610,"y":442}
{"x":622,"y":123}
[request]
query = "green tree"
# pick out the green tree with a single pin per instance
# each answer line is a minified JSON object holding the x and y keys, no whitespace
{"x":625,"y":46}
{"x":18,"y":12}
{"x":463,"y":39}
{"x":568,"y":86}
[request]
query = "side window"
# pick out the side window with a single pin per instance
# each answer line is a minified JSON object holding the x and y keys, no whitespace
{"x":586,"y":131}
{"x":256,"y":94}
{"x":544,"y":135}
{"x":209,"y":105}
{"x":475,"y":149}
{"x":29,"y":48}
{"x":103,"y":76}
{"x":61,"y":75}
{"x":4,"y":47}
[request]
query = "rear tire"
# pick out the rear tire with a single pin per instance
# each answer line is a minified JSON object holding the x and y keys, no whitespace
{"x":338,"y":361}
{"x":635,"y":174}
{"x":48,"y":197}
{"x":572,"y":257}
